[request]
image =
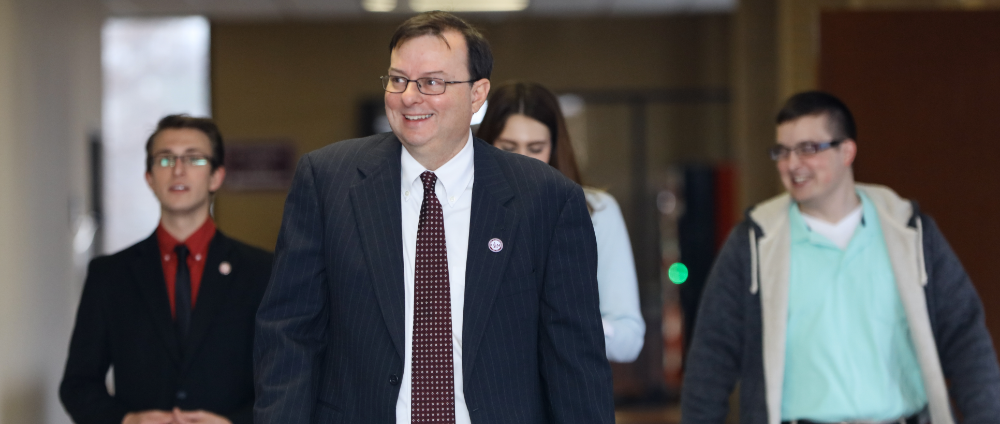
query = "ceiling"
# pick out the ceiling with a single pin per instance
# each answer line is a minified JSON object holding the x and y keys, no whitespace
{"x":316,"y":9}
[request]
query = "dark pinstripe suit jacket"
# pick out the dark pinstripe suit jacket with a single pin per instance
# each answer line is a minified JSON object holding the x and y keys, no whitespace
{"x":329,"y":342}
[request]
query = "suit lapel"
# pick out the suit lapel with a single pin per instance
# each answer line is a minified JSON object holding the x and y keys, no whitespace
{"x":376,"y":201}
{"x":485,"y":268}
{"x":148,"y":272}
{"x":212,"y":294}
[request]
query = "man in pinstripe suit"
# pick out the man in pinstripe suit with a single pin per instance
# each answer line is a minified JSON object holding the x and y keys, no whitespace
{"x":425,"y":276}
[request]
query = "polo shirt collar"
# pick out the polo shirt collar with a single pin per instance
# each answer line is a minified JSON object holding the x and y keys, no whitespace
{"x":802,"y":234}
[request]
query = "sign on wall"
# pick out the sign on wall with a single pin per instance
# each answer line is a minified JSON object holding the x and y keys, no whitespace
{"x":259,"y":165}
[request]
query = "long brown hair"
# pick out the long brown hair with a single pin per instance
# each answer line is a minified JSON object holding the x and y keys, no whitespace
{"x":537,"y":102}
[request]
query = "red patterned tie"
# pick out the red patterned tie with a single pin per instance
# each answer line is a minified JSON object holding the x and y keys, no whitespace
{"x":432,"y":368}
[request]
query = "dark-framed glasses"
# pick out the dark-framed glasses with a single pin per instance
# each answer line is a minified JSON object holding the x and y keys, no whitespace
{"x":803,"y":149}
{"x":170,"y":161}
{"x":429,"y":86}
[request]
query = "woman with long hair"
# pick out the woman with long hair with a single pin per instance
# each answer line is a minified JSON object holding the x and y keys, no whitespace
{"x":525,"y":118}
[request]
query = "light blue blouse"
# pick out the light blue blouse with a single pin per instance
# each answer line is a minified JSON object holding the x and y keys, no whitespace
{"x":617,"y":284}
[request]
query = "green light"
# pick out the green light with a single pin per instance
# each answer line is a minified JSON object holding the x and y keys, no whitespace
{"x":678,"y":273}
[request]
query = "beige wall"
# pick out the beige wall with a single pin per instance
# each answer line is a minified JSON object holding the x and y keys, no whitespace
{"x":755,"y":98}
{"x":305,"y":81}
{"x":49,"y":101}
{"x":7,"y":210}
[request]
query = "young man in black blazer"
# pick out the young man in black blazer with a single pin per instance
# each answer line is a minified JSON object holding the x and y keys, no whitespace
{"x":174,"y":314}
{"x":424,"y":276}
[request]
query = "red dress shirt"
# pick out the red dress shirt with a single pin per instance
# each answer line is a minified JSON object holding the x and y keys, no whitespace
{"x":197,"y":245}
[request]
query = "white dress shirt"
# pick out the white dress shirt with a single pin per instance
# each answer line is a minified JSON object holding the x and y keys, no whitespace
{"x":454,"y":191}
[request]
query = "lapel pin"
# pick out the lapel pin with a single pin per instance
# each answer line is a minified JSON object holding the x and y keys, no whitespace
{"x":225,"y":268}
{"x":496,"y":245}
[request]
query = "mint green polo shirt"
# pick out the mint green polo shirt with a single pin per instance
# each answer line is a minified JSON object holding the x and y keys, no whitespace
{"x":848,"y":353}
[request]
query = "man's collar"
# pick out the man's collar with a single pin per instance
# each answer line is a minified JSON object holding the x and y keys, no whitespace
{"x":802,"y":231}
{"x":455,"y":175}
{"x":197,"y":242}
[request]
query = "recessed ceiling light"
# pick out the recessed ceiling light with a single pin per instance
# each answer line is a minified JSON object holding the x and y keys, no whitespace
{"x":379,"y":5}
{"x":469,"y":5}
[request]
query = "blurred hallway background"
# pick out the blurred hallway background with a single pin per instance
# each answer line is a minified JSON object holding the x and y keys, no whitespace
{"x":670,"y":104}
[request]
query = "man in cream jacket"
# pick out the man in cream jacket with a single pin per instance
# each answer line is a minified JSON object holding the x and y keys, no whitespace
{"x":838,"y":302}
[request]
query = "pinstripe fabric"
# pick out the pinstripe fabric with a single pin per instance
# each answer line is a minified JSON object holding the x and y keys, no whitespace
{"x":329,"y":341}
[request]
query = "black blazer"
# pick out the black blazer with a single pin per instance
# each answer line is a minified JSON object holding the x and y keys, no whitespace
{"x":124,"y":321}
{"x":330,"y":330}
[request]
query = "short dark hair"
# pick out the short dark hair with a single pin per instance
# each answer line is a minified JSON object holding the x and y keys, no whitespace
{"x":436,"y":22}
{"x":205,"y":125}
{"x":536,"y":102}
{"x":820,"y":103}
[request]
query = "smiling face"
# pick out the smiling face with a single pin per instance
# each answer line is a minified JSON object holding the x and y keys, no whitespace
{"x":183,"y":189}
{"x":814,"y":181}
{"x":433,"y":126}
{"x":526,"y":136}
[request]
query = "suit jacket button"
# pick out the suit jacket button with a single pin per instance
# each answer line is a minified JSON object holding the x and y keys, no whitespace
{"x":181,"y":395}
{"x":394,"y":379}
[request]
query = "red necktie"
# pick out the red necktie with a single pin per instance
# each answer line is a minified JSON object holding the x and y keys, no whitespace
{"x":432,"y":368}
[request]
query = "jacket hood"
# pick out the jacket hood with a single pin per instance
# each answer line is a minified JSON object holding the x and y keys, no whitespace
{"x":773,"y":213}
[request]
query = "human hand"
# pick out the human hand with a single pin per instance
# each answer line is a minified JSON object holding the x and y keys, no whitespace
{"x":149,"y":417}
{"x":197,"y":417}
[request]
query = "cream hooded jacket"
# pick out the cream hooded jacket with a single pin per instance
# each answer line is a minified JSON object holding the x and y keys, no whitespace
{"x":741,"y":326}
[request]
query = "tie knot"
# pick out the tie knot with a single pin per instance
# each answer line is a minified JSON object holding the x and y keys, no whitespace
{"x":182,"y":252}
{"x":429,"y":180}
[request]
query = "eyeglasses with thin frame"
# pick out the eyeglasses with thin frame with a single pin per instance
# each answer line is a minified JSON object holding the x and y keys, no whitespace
{"x":170,"y":161}
{"x":803,"y":149}
{"x":426,"y":85}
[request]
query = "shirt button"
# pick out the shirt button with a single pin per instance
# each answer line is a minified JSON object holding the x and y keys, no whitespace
{"x":393,"y":379}
{"x":166,"y":257}
{"x":197,"y":257}
{"x":181,"y":395}
{"x":451,"y":199}
{"x":406,"y":193}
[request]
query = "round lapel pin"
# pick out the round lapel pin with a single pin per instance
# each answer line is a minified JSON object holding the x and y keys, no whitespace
{"x":496,"y":245}
{"x":225,"y":268}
